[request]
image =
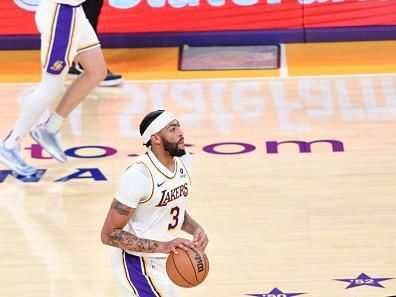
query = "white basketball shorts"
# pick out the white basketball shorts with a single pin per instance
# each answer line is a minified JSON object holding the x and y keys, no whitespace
{"x":65,"y":31}
{"x":142,"y":276}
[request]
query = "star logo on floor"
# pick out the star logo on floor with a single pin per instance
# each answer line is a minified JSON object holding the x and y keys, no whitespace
{"x":364,"y":280}
{"x":275,"y":292}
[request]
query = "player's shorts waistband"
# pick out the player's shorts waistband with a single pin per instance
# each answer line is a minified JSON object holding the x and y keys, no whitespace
{"x":59,"y":3}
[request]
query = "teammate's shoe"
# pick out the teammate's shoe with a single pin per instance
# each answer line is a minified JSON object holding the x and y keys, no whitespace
{"x":75,"y":70}
{"x":49,"y":142}
{"x":12,"y":159}
{"x":111,"y":79}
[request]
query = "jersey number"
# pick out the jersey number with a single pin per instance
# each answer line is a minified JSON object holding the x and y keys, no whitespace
{"x":175,"y":211}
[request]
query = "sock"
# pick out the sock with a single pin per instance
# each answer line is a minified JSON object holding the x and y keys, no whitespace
{"x":54,"y":122}
{"x":34,"y":106}
{"x":11,"y":141}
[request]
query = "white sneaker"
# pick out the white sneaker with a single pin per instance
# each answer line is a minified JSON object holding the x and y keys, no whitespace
{"x":49,"y":142}
{"x":12,"y":159}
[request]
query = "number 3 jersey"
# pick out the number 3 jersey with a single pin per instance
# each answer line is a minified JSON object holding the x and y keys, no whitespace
{"x":158,"y":195}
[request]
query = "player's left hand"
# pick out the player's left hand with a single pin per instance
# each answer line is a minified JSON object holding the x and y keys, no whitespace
{"x":200,"y":239}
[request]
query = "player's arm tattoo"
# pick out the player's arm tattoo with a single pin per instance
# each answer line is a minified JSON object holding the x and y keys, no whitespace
{"x":120,"y":208}
{"x":125,"y":240}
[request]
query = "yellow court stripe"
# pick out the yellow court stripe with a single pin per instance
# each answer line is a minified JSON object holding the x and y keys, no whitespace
{"x":335,"y":58}
{"x":162,"y":63}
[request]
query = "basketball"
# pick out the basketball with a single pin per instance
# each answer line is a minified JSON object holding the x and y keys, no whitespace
{"x":188,"y":268}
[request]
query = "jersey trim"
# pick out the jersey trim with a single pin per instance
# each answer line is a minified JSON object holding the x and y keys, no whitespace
{"x":152,"y":182}
{"x":72,"y":39}
{"x":54,"y":14}
{"x":87,"y":47}
{"x":127,"y":274}
{"x":159,"y":170}
{"x":145,"y":271}
{"x":135,"y":266}
{"x":60,"y":40}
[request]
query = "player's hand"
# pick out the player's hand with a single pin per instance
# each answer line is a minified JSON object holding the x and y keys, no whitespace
{"x":200,"y":239}
{"x":171,"y":246}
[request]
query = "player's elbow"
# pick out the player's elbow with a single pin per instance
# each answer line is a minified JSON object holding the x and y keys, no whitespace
{"x":104,"y":236}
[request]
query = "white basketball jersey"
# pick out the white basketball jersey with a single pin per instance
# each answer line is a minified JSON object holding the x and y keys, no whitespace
{"x":161,"y":215}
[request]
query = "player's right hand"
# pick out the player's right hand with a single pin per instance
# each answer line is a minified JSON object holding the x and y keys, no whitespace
{"x":182,"y":243}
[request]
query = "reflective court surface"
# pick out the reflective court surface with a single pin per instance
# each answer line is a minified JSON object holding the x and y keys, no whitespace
{"x":294,"y":180}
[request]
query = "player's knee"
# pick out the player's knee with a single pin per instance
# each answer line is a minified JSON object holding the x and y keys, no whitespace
{"x":98,"y":73}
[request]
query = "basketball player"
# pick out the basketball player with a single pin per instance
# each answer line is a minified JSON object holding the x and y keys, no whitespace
{"x":149,"y":210}
{"x":65,"y":34}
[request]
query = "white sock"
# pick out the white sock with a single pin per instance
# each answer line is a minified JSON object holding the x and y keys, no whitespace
{"x":11,"y":141}
{"x":34,"y":105}
{"x":54,"y":123}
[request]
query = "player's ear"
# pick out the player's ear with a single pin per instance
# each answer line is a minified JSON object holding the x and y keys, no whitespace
{"x":155,"y":139}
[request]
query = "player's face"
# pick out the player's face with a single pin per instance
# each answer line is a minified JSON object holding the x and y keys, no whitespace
{"x":173,"y":139}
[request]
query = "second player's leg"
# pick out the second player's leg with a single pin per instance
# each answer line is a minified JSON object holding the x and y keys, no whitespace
{"x":95,"y":71}
{"x":47,"y":134}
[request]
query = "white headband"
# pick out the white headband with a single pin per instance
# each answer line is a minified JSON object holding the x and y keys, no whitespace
{"x":157,"y":125}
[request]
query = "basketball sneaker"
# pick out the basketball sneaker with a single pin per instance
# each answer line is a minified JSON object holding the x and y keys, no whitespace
{"x":49,"y":142}
{"x":74,"y":70}
{"x":12,"y":159}
{"x":111,"y":79}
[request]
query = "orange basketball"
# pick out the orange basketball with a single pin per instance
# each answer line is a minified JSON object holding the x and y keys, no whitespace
{"x":188,"y":268}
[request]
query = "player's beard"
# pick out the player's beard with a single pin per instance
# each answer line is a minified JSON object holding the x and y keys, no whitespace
{"x":173,"y":148}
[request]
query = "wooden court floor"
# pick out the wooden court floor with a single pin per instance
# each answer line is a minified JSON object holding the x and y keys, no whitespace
{"x":294,"y":180}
